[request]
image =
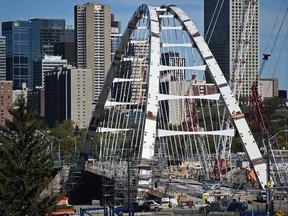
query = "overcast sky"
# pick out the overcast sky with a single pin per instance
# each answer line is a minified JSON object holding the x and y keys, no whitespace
{"x":270,"y":10}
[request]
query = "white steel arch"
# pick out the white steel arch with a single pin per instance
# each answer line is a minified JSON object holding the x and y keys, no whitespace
{"x":98,"y":113}
{"x":139,"y":117}
{"x":228,"y":97}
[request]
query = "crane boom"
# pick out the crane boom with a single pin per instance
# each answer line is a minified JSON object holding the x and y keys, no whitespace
{"x":192,"y":124}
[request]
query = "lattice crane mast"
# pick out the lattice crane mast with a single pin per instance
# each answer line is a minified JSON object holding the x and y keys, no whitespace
{"x":262,"y":119}
{"x":224,"y":145}
{"x":192,"y":124}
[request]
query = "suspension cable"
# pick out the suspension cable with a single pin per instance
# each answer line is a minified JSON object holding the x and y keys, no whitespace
{"x":214,"y":23}
{"x":279,"y":30}
{"x":274,"y":70}
{"x":274,"y":26}
{"x":211,"y":20}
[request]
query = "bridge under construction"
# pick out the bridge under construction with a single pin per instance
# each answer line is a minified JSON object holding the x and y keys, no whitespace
{"x":166,"y":103}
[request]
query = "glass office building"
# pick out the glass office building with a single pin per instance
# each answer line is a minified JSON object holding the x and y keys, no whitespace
{"x":18,"y":51}
{"x":44,"y":34}
{"x":27,"y":40}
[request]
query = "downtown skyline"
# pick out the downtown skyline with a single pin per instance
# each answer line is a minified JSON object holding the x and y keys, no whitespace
{"x":270,"y":11}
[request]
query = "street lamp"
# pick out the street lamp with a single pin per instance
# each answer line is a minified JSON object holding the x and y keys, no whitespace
{"x":51,"y":141}
{"x":242,"y":183}
{"x":75,"y":145}
{"x":44,"y":137}
{"x":59,"y":148}
{"x":268,"y":149}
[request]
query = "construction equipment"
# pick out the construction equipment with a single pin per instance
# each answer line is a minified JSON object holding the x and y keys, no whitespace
{"x":133,"y":120}
{"x":192,"y":124}
{"x":222,"y":163}
{"x":262,"y":119}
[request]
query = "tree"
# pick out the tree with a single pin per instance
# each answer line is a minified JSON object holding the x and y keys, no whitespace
{"x":272,"y":104}
{"x":25,"y":164}
{"x":62,"y":132}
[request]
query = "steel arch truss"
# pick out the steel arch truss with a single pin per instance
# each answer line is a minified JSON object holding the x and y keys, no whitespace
{"x":139,"y":89}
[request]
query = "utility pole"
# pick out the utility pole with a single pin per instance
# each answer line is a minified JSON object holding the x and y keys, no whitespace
{"x":131,"y":212}
{"x":268,"y":197}
{"x":128,"y":170}
{"x":75,"y":146}
{"x":243,"y":182}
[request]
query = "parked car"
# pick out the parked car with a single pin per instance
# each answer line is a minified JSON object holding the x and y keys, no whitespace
{"x":125,"y":208}
{"x":196,"y":167}
{"x":237,"y":206}
{"x":261,"y":196}
{"x":210,"y":187}
{"x":239,"y":186}
{"x":144,"y":206}
{"x":219,"y":207}
{"x":149,"y":205}
{"x":206,"y":186}
{"x":215,"y":187}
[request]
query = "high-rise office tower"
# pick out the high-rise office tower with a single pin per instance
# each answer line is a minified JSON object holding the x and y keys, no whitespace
{"x":93,"y":41}
{"x":27,"y":41}
{"x":116,"y":35}
{"x":44,"y":64}
{"x":2,"y":58}
{"x":18,"y":51}
{"x":68,"y":95}
{"x":66,"y":47}
{"x":174,"y":59}
{"x":36,"y":99}
{"x":6,"y":100}
{"x":268,"y":87}
{"x":69,"y":31}
{"x":223,"y":23}
{"x":173,"y":82}
{"x":44,"y":34}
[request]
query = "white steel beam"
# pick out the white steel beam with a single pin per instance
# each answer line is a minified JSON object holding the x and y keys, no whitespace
{"x":165,"y":133}
{"x":153,"y":89}
{"x":248,"y":141}
{"x":162,"y":97}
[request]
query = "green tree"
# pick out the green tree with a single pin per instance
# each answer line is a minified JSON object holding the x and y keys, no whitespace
{"x":62,"y":132}
{"x":272,"y":104}
{"x":25,"y":165}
